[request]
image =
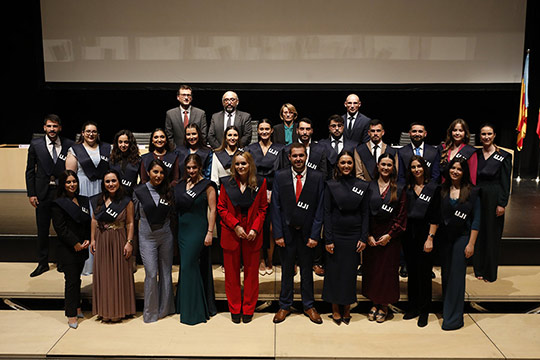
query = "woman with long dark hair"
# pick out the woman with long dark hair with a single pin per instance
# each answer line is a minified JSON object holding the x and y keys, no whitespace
{"x":195,"y":200}
{"x":193,"y":141}
{"x":242,"y":206}
{"x":125,"y":159}
{"x":346,"y":221}
{"x":493,"y":178}
{"x":457,"y":144}
{"x":113,"y":288}
{"x":71,"y":221}
{"x":222,"y":157}
{"x":266,"y":155}
{"x":423,"y":199}
{"x":153,"y":203}
{"x":460,"y":221}
{"x":160,"y":148}
{"x":387,"y":222}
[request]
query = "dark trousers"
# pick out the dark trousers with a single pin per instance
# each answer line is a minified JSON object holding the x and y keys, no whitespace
{"x":419,"y":264}
{"x":43,"y":221}
{"x":288,"y":254}
{"x":72,"y":290}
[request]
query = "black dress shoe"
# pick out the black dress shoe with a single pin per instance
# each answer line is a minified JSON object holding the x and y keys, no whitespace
{"x":39,"y":270}
{"x":59,"y":268}
{"x":403,"y":272}
{"x":410,"y":315}
{"x":423,"y":319}
{"x":247,"y":318}
{"x":236,"y":318}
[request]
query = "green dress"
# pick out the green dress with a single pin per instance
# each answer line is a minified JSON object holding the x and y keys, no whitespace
{"x":191,"y":301}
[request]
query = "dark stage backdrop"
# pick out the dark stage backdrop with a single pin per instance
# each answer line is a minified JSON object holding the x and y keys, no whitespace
{"x":141,"y":106}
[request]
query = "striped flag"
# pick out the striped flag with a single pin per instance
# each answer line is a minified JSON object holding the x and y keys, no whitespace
{"x":538,"y":126}
{"x":523,"y":105}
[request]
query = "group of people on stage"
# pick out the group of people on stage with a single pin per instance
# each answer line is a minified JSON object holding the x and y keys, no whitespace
{"x":322,"y":203}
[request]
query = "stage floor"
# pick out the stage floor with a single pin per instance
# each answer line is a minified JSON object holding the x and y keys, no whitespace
{"x":40,"y":334}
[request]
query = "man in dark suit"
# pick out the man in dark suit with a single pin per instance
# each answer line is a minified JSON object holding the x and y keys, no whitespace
{"x":367,"y":155}
{"x":337,"y":142}
{"x":229,"y":116}
{"x":285,"y":133}
{"x":418,"y":133}
{"x":46,"y":161}
{"x":297,"y":215}
{"x":179,"y":117}
{"x":356,"y":124}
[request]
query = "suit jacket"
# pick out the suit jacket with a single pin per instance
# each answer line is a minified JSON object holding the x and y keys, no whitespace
{"x":279,"y":133}
{"x":40,"y":167}
{"x":360,"y":129}
{"x":332,"y":155}
{"x":315,"y":161}
{"x":71,"y":232}
{"x":365,"y":163}
{"x":174,"y":124}
{"x":242,"y":122}
{"x":431,"y":155}
{"x":306,"y":214}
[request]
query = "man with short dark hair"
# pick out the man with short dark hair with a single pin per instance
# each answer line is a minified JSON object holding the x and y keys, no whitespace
{"x":336,"y":142}
{"x":356,"y":124}
{"x":417,"y":133}
{"x":46,"y":162}
{"x":297,"y":215}
{"x":179,"y":117}
{"x":229,"y":116}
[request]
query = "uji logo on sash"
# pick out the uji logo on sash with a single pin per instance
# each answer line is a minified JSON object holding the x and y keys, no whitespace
{"x":256,"y":188}
{"x":191,"y":193}
{"x":273,"y":151}
{"x":302,"y":205}
{"x":62,"y":157}
{"x":126,"y":182}
{"x":104,"y":158}
{"x":163,"y":202}
{"x":498,"y":157}
{"x":357,"y":191}
{"x":425,"y":198}
{"x":460,"y":215}
{"x":428,"y":163}
{"x":311,"y":165}
{"x":85,"y":210}
{"x":167,"y":164}
{"x":459,"y":155}
{"x":387,"y":208}
{"x":111,"y":213}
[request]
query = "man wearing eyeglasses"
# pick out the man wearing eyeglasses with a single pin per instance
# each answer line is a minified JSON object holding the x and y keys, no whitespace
{"x":229,"y":116}
{"x":179,"y":117}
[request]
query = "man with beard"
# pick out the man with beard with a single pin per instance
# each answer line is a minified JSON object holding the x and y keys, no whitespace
{"x":46,"y":162}
{"x":356,"y":124}
{"x":418,"y":133}
{"x":337,"y":142}
{"x":229,"y":116}
{"x":179,"y":117}
{"x":297,"y":214}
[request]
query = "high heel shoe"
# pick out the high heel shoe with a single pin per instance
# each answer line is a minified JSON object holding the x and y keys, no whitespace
{"x":80,"y":316}
{"x":380,"y":317}
{"x":372,"y":313}
{"x":73,"y":325}
{"x":346,"y":319}
{"x":335,"y":320}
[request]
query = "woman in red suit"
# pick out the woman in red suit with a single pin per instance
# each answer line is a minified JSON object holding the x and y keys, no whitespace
{"x":242,"y":207}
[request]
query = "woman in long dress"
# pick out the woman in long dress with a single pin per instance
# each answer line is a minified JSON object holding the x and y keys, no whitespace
{"x":89,"y":158}
{"x":71,"y":221}
{"x":457,"y":144}
{"x":153,"y":207}
{"x":460,"y":221}
{"x":493,"y":178}
{"x":387,"y":222}
{"x":113,"y":288}
{"x":195,"y":201}
{"x":346,"y":221}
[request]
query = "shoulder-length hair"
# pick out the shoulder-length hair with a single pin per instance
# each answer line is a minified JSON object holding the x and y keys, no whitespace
{"x":199,"y":144}
{"x":224,"y":141}
{"x":197,"y":159}
{"x":163,"y":189}
{"x":337,"y":173}
{"x":291,"y":109}
{"x":120,"y":193}
{"x":449,"y":141}
{"x":83,"y":127}
{"x":61,"y":190}
{"x":411,"y":181}
{"x":167,"y":146}
{"x":465,"y":184}
{"x":252,"y":174}
{"x":393,"y":175}
{"x":132,"y":153}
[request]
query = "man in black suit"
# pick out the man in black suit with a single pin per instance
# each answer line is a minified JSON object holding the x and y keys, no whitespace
{"x":418,"y":133}
{"x":297,"y":215}
{"x":337,"y":142}
{"x":229,"y":116}
{"x":285,"y":133}
{"x":179,"y":117}
{"x":46,"y":161}
{"x":356,"y":124}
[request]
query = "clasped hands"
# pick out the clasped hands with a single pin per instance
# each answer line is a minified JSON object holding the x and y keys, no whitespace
{"x":241,"y":233}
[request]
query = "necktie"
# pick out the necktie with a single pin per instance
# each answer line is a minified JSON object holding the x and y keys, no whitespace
{"x":229,"y":120}
{"x":186,"y":119}
{"x":417,"y":151}
{"x":349,"y":126}
{"x":375,"y":152}
{"x":298,"y":186}
{"x":336,"y":143}
{"x":54,"y":153}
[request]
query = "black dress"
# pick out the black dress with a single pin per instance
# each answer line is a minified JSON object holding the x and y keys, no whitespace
{"x":346,"y":220}
{"x":494,"y":181}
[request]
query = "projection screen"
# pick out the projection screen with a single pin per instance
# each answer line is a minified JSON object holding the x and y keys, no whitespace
{"x":278,"y":41}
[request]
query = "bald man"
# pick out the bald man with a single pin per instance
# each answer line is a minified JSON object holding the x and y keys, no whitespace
{"x":229,"y":116}
{"x":356,"y":124}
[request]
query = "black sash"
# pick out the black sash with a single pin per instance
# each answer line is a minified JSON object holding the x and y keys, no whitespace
{"x":92,"y":172}
{"x":168,"y":160}
{"x":45,"y":159}
{"x":243,"y":200}
{"x":456,"y":217}
{"x":266,"y":164}
{"x":297,"y":212}
{"x":182,"y":152}
{"x":109,"y":213}
{"x":383,"y":208}
{"x":493,"y":163}
{"x":466,"y":152}
{"x":348,"y":195}
{"x":156,"y":215}
{"x":129,"y":174}
{"x":418,"y":206}
{"x":81,"y":213}
{"x":315,"y":154}
{"x":368,"y":159}
{"x":184,"y":198}
{"x":224,"y":158}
